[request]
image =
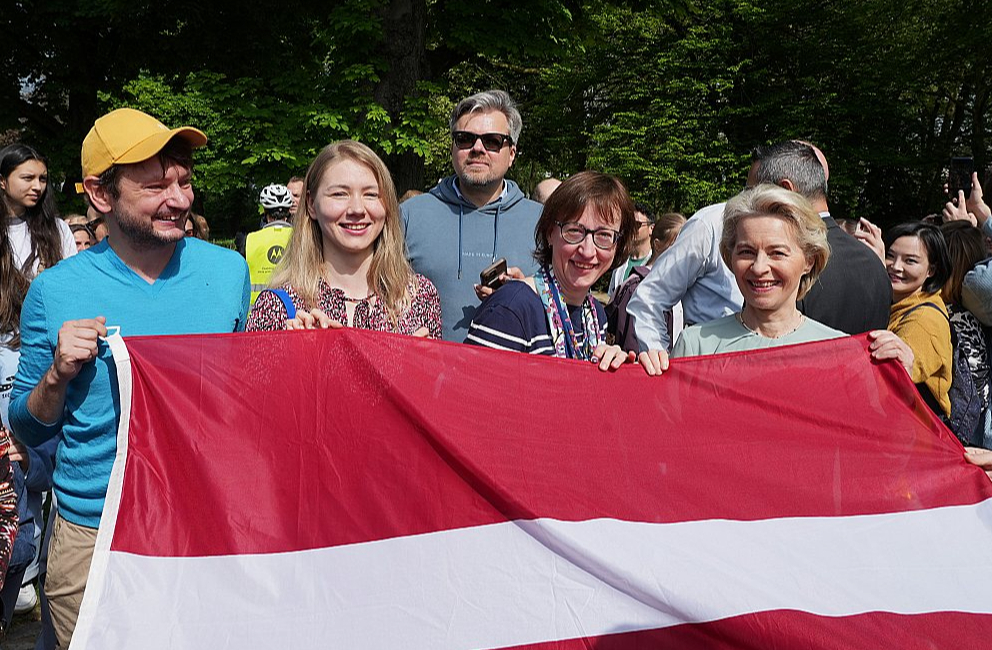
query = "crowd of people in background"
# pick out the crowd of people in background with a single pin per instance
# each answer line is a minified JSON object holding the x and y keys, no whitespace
{"x":471,"y":260}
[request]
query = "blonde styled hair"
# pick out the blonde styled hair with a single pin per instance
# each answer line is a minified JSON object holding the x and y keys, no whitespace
{"x":767,"y":200}
{"x":302,"y":265}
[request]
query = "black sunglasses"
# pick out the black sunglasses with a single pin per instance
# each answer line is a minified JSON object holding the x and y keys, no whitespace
{"x":491,"y":141}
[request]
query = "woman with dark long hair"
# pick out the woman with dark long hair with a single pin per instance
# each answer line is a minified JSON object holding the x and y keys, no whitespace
{"x":32,"y":238}
{"x":13,"y":287}
{"x":38,"y":238}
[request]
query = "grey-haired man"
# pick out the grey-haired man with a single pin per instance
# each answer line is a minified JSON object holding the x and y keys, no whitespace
{"x":471,"y":219}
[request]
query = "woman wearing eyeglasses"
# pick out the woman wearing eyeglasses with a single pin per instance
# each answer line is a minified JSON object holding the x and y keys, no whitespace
{"x":584,"y":232}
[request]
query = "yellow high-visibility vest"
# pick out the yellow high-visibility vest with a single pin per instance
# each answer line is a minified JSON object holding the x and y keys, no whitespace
{"x":264,"y":250}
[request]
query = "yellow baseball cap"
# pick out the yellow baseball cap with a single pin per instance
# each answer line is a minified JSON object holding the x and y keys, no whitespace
{"x":126,"y":136}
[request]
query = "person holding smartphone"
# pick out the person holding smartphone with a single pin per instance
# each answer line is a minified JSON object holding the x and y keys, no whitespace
{"x":967,"y":204}
{"x":475,"y":216}
{"x":584,"y":232}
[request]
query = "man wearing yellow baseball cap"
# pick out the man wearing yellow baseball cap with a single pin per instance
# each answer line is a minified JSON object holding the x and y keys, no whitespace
{"x":146,"y":278}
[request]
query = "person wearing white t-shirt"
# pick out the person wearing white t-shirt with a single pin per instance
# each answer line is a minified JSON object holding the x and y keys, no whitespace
{"x":32,"y":238}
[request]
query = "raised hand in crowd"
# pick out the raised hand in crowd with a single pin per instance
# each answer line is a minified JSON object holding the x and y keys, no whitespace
{"x":972,"y":209}
{"x":871,"y":236}
{"x":956,"y":210}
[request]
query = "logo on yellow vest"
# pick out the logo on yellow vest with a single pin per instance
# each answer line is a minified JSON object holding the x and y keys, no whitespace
{"x":274,"y":254}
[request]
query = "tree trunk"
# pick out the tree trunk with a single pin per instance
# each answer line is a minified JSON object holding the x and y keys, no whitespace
{"x":404,"y":24}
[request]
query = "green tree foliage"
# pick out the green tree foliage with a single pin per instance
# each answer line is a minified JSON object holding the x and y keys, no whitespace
{"x":669,"y":95}
{"x":659,"y":88}
{"x":269,"y":82}
{"x":890,"y":90}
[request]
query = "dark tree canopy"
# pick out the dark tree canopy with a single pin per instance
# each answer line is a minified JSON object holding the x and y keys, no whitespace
{"x":670,"y":96}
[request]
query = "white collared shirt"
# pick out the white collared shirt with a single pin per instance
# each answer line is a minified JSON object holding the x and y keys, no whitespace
{"x":690,"y":271}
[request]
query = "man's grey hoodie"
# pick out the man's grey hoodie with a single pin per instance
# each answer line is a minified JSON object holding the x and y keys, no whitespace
{"x":451,"y":241}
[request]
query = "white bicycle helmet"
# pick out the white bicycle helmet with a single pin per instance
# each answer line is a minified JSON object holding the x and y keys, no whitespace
{"x":275,"y":196}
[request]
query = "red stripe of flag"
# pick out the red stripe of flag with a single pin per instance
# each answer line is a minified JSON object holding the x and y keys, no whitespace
{"x":792,"y":630}
{"x":372,"y":436}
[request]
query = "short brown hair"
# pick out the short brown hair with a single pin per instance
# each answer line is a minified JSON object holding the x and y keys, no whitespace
{"x":567,"y":203}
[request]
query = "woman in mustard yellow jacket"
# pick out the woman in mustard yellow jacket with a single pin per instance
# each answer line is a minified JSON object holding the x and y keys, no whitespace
{"x":918,"y":265}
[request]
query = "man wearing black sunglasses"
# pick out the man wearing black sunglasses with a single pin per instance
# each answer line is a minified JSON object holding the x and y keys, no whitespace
{"x":476,"y":216}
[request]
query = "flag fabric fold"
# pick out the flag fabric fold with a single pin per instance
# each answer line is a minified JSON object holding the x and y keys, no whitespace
{"x":364,"y":490}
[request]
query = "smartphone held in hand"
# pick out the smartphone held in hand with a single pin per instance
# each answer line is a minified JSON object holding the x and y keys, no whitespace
{"x":959,"y":176}
{"x":491,"y":276}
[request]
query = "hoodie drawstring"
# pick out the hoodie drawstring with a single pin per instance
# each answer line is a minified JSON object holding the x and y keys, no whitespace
{"x":496,"y":230}
{"x":461,"y":215}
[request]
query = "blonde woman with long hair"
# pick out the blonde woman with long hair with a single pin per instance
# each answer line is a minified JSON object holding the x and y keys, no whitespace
{"x":345,"y":263}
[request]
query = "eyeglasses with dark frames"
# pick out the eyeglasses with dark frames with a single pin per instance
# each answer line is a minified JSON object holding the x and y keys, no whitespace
{"x":575,"y":233}
{"x":490,"y":141}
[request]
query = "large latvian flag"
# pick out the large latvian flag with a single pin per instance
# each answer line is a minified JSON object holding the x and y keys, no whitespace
{"x":355,"y":490}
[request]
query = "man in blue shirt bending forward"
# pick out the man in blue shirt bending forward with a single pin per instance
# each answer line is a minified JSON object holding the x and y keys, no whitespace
{"x":146,"y":278}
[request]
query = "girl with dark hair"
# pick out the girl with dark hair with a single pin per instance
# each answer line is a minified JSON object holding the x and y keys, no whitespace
{"x":918,"y":265}
{"x":13,"y":287}
{"x":38,"y":238}
{"x":32,"y":238}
